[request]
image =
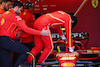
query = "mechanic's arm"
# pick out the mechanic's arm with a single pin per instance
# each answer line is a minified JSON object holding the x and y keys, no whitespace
{"x":28,"y":30}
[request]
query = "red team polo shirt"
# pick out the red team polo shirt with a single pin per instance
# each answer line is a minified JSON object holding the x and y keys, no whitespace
{"x":1,"y":11}
{"x":28,"y":18}
{"x":9,"y":22}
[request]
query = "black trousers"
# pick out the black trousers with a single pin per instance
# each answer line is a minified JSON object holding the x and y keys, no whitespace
{"x":7,"y":45}
{"x":30,"y":45}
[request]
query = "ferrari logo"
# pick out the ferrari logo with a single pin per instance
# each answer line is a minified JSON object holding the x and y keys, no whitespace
{"x":94,"y":3}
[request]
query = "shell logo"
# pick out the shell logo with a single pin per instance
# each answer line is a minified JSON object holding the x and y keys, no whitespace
{"x":68,"y":64}
{"x":2,"y":21}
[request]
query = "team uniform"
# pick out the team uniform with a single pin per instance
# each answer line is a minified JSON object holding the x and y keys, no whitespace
{"x":54,"y":20}
{"x":1,"y":11}
{"x":29,"y":19}
{"x":9,"y":21}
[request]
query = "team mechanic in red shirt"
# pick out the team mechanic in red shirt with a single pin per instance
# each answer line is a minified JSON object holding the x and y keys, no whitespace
{"x":8,"y":24}
{"x":55,"y":19}
{"x":5,"y":5}
{"x":29,"y":18}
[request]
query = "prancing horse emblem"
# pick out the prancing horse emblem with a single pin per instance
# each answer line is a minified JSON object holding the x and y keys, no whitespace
{"x":94,"y":3}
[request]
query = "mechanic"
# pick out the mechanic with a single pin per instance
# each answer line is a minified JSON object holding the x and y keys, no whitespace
{"x":8,"y":24}
{"x":5,"y":5}
{"x":54,"y":19}
{"x":28,"y":18}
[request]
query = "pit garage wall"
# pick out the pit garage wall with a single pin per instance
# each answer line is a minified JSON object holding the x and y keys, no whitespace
{"x":89,"y":21}
{"x":45,"y":6}
{"x":88,"y":16}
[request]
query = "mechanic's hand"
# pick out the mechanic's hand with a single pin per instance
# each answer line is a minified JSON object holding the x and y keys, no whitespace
{"x":45,"y":32}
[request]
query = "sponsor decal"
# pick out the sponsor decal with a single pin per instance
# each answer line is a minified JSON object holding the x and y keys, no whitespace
{"x":18,"y":18}
{"x":66,"y":55}
{"x":68,"y":58}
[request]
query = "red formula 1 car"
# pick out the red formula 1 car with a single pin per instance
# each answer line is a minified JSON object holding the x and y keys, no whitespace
{"x":61,"y":57}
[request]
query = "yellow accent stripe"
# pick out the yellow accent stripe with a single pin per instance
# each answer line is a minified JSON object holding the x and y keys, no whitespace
{"x":56,"y":18}
{"x":89,"y":51}
{"x":70,"y":34}
{"x":50,"y":39}
{"x":13,"y":29}
{"x":96,"y":51}
{"x":11,"y":26}
{"x":56,"y":24}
